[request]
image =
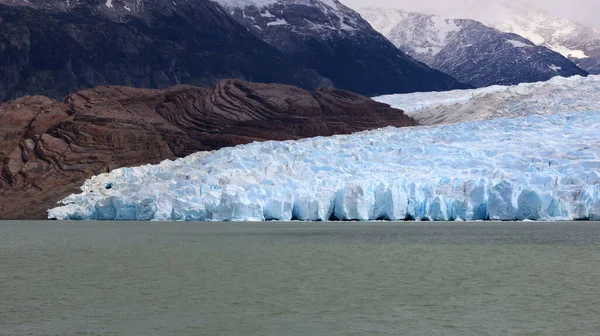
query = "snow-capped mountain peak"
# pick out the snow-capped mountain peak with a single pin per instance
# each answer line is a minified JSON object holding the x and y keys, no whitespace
{"x":429,"y":33}
{"x":469,"y":50}
{"x":571,"y":39}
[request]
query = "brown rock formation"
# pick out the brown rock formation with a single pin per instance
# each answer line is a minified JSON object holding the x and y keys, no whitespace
{"x":48,"y":148}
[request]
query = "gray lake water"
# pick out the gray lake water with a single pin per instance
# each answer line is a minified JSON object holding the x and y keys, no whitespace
{"x":117,"y":278}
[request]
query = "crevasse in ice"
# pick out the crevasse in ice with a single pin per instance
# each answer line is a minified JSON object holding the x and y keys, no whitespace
{"x":528,"y":168}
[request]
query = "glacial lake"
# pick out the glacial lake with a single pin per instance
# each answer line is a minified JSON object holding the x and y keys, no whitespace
{"x":151,"y":278}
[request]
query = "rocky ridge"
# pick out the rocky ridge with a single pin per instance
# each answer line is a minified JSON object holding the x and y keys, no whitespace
{"x":49,"y":147}
{"x":335,"y":40}
{"x":54,"y":48}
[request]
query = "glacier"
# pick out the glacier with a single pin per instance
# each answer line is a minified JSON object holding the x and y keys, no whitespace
{"x":533,"y":167}
{"x":557,"y":95}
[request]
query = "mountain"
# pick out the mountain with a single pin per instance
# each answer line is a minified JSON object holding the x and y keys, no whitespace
{"x":336,"y":41}
{"x":50,"y":148}
{"x":55,"y":48}
{"x":468,"y":50}
{"x":574,"y":40}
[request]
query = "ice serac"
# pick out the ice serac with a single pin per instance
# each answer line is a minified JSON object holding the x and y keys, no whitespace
{"x":540,"y":167}
{"x":468,"y":50}
{"x":557,"y":95}
{"x":49,"y":148}
{"x":336,"y":41}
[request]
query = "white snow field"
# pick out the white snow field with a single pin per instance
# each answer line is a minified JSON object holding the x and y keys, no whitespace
{"x":528,"y":168}
{"x":573,"y":94}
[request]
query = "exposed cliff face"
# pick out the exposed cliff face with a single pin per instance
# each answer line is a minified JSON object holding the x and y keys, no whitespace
{"x":336,"y":41}
{"x":469,"y":50}
{"x":55,"y":48}
{"x":49,"y":148}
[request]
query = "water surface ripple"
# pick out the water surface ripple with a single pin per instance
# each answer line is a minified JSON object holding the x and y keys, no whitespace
{"x":117,"y":278}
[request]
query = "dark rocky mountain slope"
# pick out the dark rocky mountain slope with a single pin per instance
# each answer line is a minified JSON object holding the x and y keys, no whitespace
{"x":336,"y":41}
{"x":51,"y":48}
{"x":50,"y":148}
{"x":55,"y":47}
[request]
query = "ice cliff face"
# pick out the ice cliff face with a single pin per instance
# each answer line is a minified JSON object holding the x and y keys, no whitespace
{"x":557,"y":95}
{"x":528,"y":168}
{"x":469,"y":50}
{"x":576,"y":41}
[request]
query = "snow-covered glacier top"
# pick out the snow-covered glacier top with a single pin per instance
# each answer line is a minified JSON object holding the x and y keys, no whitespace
{"x":534,"y":167}
{"x":573,"y":94}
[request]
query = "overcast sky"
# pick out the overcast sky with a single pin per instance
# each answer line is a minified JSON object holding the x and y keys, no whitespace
{"x":584,"y":11}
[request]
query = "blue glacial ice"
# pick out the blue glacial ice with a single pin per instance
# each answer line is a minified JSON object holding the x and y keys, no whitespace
{"x":557,"y":95}
{"x":529,"y":168}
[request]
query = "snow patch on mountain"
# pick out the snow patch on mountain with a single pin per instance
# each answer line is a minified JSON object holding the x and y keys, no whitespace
{"x":518,"y":44}
{"x":558,"y":95}
{"x":555,"y":68}
{"x":529,"y":168}
{"x":278,"y":22}
{"x":267,"y":14}
{"x":244,"y":3}
{"x":570,"y":53}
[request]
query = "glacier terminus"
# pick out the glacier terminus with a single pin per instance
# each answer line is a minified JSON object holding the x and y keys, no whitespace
{"x":533,"y":167}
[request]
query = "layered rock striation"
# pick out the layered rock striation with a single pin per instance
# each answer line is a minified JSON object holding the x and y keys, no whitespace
{"x":49,"y":148}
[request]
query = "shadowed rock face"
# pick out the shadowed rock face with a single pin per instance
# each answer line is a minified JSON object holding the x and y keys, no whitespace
{"x":49,"y":148}
{"x":337,"y":42}
{"x":54,"y":48}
